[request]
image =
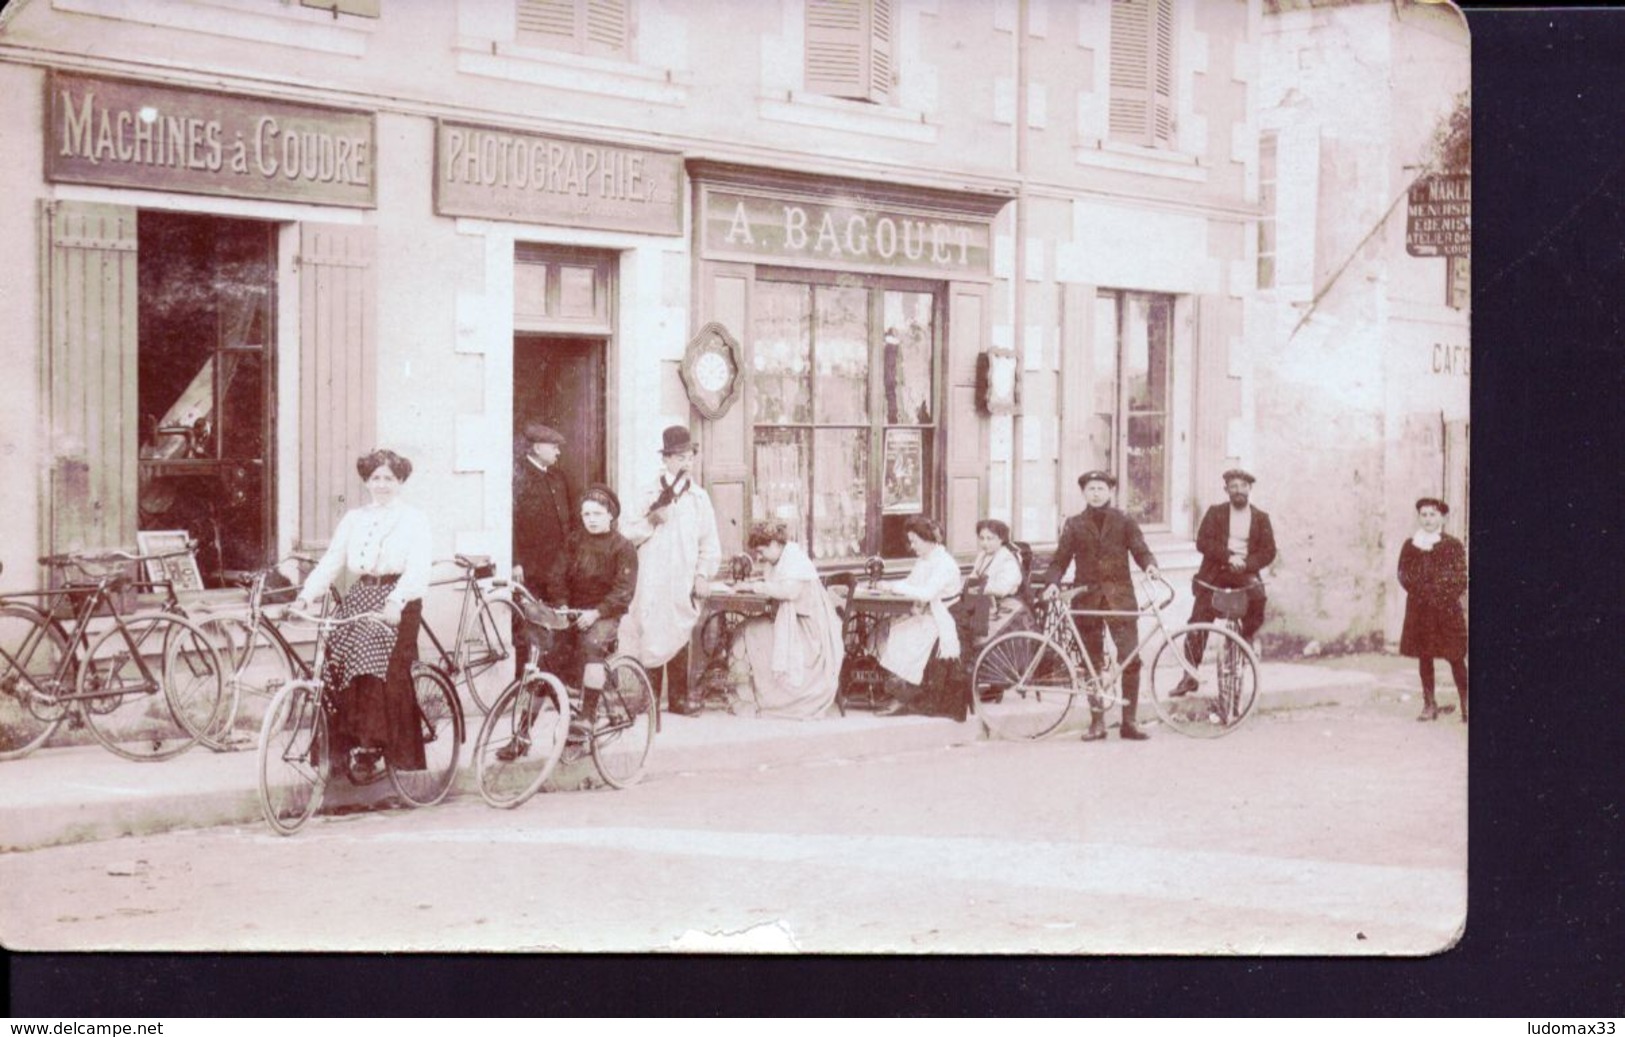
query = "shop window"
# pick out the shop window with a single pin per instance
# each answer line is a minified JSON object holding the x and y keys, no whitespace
{"x":1267,"y":166}
{"x":359,"y":8}
{"x":850,"y":49}
{"x":1458,"y":276}
{"x":1141,"y":109}
{"x":204,"y":383}
{"x":843,"y":405}
{"x":1129,"y":421}
{"x":598,"y":27}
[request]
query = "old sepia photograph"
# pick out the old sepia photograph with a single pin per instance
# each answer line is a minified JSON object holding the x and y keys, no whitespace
{"x":735,"y":476}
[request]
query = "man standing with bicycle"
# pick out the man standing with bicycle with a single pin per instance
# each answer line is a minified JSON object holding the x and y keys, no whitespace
{"x":1237,"y":542}
{"x":1097,"y":543}
{"x":544,"y":515}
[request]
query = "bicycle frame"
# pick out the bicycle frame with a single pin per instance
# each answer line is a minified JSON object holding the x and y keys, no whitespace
{"x":1103,"y":686}
{"x":453,"y":663}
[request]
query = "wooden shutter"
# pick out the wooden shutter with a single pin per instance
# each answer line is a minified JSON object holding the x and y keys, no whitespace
{"x":582,"y":26}
{"x":90,"y":378}
{"x":359,"y":8}
{"x":1142,"y":74}
{"x":849,"y":48}
{"x":969,"y":334}
{"x":337,"y":371}
{"x":729,"y":442}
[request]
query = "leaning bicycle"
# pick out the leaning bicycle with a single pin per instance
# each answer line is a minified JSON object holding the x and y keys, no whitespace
{"x":1025,"y":683}
{"x":482,"y":656}
{"x":295,"y":754}
{"x":533,"y":726}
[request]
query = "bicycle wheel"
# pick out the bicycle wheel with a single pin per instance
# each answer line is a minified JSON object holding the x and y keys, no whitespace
{"x":521,"y":740}
{"x":1226,"y":682}
{"x":293,"y":763}
{"x":441,"y":723}
{"x":31,"y":653}
{"x":1022,"y":685}
{"x":150,"y":686}
{"x":257,"y":666}
{"x":623,"y":732}
{"x":487,"y":657}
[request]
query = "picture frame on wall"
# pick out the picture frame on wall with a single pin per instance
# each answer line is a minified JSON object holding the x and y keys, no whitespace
{"x":177,"y":564}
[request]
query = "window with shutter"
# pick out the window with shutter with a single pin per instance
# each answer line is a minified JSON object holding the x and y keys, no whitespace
{"x":359,"y":8}
{"x":850,"y":49}
{"x":1141,"y":108}
{"x":597,"y":27}
{"x":1268,"y":147}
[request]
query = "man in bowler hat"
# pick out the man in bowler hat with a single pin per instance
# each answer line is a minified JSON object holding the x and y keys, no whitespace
{"x":1236,"y":541}
{"x":544,"y":512}
{"x":674,"y":527}
{"x":1098,"y":543}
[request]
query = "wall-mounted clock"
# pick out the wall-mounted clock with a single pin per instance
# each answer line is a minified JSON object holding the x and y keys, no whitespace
{"x":710,"y":370}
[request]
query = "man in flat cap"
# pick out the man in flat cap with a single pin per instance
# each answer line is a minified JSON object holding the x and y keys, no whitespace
{"x":1098,"y":543}
{"x":1236,"y":541}
{"x":544,"y":511}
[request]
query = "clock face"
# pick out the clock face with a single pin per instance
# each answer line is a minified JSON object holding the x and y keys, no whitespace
{"x":711,"y":371}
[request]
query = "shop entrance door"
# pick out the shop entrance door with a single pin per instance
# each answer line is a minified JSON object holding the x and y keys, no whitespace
{"x":560,"y":382}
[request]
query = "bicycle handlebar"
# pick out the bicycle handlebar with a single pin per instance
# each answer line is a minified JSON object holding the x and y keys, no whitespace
{"x":289,"y":612}
{"x":1069,"y":596}
{"x":80,"y":559}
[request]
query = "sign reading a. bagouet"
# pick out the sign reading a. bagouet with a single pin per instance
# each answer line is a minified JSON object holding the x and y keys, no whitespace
{"x":846,"y":234}
{"x":499,"y":174}
{"x":128,"y":134}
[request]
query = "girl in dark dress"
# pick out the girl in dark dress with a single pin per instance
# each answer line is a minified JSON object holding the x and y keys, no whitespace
{"x":1433,"y":571}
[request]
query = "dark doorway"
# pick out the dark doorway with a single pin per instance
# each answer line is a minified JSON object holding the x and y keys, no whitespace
{"x":560,"y":382}
{"x":205,"y":384}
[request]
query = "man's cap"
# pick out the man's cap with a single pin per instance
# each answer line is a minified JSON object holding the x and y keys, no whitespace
{"x":1240,"y":473}
{"x":1096,"y":475}
{"x":536,"y":432}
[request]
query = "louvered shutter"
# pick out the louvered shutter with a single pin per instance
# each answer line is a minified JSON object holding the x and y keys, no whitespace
{"x":338,"y":379}
{"x":90,"y":378}
{"x":849,"y":48}
{"x":359,"y":8}
{"x":1142,"y":74}
{"x":582,"y":26}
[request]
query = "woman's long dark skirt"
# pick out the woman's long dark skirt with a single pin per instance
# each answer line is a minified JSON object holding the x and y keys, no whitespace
{"x":383,"y":713}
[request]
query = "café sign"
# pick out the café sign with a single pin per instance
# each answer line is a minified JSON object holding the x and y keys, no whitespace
{"x":1439,"y":219}
{"x":844,"y":233}
{"x":128,"y":134}
{"x":501,"y":174}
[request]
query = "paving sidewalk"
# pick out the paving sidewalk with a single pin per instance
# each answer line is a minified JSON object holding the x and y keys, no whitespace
{"x":84,"y":793}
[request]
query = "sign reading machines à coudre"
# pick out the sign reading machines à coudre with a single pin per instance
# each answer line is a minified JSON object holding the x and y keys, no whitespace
{"x":129,"y":134}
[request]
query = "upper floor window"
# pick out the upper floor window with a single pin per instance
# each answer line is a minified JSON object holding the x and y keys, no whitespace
{"x":1142,"y":72}
{"x":850,"y":48}
{"x":1268,"y":146}
{"x":598,"y":27}
{"x":359,"y":8}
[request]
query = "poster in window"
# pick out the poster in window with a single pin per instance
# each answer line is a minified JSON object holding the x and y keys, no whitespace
{"x":176,"y":563}
{"x":904,"y":492}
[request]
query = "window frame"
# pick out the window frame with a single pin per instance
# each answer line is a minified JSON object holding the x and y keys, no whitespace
{"x":1269,"y":201}
{"x":1118,"y":463}
{"x":933,"y":493}
{"x":1458,"y":282}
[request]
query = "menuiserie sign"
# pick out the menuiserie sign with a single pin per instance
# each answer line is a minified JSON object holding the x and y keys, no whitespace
{"x":1439,"y":219}
{"x":128,"y":134}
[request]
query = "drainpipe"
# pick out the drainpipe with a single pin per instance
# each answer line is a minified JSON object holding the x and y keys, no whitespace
{"x":1019,"y":289}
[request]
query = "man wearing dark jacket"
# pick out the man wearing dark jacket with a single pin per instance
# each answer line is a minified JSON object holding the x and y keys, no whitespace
{"x":1236,"y":541}
{"x":544,"y":513}
{"x":1098,"y":543}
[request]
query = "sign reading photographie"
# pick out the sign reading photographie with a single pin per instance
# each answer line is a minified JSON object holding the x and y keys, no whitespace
{"x":844,"y":233}
{"x":499,"y":174}
{"x":1439,"y":220}
{"x":129,"y":134}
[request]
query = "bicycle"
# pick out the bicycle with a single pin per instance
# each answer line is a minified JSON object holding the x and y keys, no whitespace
{"x":1024,"y":683}
{"x":259,"y":656}
{"x":483,"y":655}
{"x":76,"y":656}
{"x":294,"y":755}
{"x":530,"y":730}
{"x":1231,"y":605}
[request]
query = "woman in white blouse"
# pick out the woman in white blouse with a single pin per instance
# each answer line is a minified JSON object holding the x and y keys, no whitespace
{"x":933,"y":584}
{"x":795,"y":657}
{"x":384,"y":550}
{"x":997,"y":560}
